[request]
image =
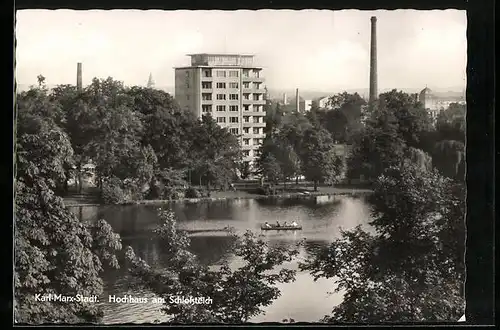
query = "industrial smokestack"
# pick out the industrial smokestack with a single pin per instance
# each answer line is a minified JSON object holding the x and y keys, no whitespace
{"x":373,"y":62}
{"x":79,"y":76}
{"x":297,"y":99}
{"x":284,"y":98}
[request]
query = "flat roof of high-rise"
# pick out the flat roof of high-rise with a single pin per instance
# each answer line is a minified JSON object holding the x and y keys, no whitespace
{"x":221,"y":54}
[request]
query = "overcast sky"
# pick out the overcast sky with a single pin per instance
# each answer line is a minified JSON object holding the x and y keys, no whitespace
{"x":309,"y":49}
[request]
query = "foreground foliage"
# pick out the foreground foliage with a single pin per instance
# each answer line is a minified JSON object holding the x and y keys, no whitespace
{"x":54,"y":253}
{"x":237,"y":294}
{"x":409,"y":266}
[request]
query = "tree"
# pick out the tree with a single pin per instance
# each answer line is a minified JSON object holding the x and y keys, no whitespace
{"x":41,"y":139}
{"x":319,"y":160}
{"x":273,"y":119}
{"x":450,"y":124}
{"x":167,"y":129}
{"x":410,"y":267}
{"x":218,"y":152}
{"x":345,"y":116}
{"x":413,"y":122}
{"x":449,"y":158}
{"x":267,"y":164}
{"x":237,"y":294}
{"x":54,"y":252}
{"x":376,"y":147}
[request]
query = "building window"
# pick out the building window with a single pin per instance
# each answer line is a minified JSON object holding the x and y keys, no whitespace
{"x":206,"y":97}
{"x":256,"y":142}
{"x":233,"y":131}
{"x":233,"y":108}
{"x":246,"y":119}
{"x":206,"y":85}
{"x":187,"y":85}
{"x":246,"y":107}
{"x":246,"y":153}
{"x":256,"y":97}
{"x":233,"y":96}
{"x":256,"y":85}
{"x":221,"y":96}
{"x":246,"y":96}
{"x":187,"y":74}
{"x":233,"y":119}
{"x":246,"y":130}
{"x":255,"y":108}
{"x":206,"y":108}
{"x":256,"y":130}
{"x":246,"y":73}
{"x":221,"y":73}
{"x":221,"y":119}
{"x":246,"y":85}
{"x":256,"y":119}
{"x":246,"y":141}
{"x":221,"y":85}
{"x":233,"y":85}
{"x":233,"y":73}
{"x":221,"y":108}
{"x":207,"y":73}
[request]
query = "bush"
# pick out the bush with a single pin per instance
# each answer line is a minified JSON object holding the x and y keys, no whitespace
{"x":172,"y":193}
{"x":112,"y":192}
{"x":267,"y":191}
{"x":192,"y":193}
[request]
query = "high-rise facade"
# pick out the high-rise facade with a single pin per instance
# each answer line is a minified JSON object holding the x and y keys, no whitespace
{"x":231,"y":89}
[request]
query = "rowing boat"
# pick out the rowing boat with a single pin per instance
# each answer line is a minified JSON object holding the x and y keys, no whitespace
{"x":274,"y":227}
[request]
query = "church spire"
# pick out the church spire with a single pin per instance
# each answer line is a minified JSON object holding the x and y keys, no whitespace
{"x":151,"y":83}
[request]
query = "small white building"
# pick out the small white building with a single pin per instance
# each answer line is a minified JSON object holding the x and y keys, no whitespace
{"x":305,"y":105}
{"x":323,"y":102}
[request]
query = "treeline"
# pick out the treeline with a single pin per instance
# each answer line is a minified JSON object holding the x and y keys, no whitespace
{"x":354,"y":143}
{"x":142,"y":144}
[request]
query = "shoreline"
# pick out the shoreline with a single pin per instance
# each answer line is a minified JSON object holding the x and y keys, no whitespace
{"x":353,"y":193}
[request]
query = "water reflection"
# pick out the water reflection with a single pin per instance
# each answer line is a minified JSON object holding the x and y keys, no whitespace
{"x":302,"y":300}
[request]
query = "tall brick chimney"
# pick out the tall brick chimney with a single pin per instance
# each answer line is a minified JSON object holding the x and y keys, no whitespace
{"x":373,"y":62}
{"x":79,"y":76}
{"x":297,"y":101}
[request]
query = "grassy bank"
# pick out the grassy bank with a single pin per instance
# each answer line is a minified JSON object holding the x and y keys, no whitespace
{"x":241,"y":194}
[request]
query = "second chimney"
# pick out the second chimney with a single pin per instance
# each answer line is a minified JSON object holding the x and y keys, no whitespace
{"x":79,"y":76}
{"x":297,"y":101}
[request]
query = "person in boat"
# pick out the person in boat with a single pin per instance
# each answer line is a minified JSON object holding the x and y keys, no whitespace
{"x":285,"y":224}
{"x":278,"y":223}
{"x":294,"y":224}
{"x":267,"y":225}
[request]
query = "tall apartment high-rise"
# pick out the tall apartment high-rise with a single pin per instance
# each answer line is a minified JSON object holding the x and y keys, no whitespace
{"x":231,"y":89}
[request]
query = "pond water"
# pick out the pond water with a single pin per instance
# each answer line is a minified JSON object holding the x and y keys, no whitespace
{"x":302,"y":300}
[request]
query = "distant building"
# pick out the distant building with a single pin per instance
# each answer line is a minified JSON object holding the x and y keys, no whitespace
{"x":323,"y":102}
{"x":434,"y":104}
{"x":231,"y":89}
{"x":305,"y":105}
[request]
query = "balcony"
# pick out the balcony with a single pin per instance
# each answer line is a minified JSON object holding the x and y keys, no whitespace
{"x":252,"y":124}
{"x":252,"y":90}
{"x":207,"y":90}
{"x":256,"y":102}
{"x":253,"y":113}
{"x":253,"y":79}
